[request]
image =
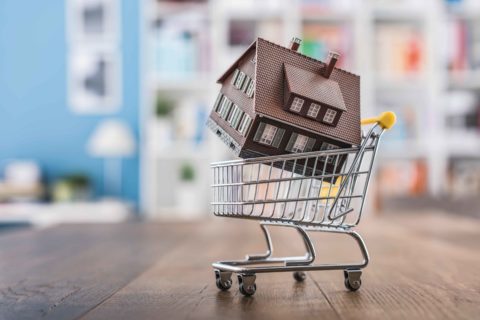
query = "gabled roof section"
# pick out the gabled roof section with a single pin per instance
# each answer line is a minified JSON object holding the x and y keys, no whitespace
{"x":235,"y":64}
{"x":269,"y":88}
{"x":314,"y":86}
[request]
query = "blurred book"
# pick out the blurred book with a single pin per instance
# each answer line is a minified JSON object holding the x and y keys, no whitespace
{"x":400,"y":50}
{"x":403,"y":178}
{"x":462,"y":46}
{"x":242,"y":32}
{"x":181,"y":45}
{"x":308,"y":6}
{"x":320,"y":38}
{"x":464,"y":177}
{"x":462,"y":112}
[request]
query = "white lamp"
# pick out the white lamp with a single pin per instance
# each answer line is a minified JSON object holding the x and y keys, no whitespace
{"x":112,"y":140}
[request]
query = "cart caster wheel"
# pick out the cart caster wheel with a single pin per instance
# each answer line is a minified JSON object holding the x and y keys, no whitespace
{"x":223,"y":280}
{"x":300,"y":276}
{"x":352,"y":279}
{"x":246,"y":284}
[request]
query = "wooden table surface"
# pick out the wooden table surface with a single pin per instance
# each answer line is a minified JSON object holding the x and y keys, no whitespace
{"x":424,"y":266}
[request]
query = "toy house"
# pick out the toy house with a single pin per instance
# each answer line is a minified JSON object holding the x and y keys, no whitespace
{"x":275,"y":100}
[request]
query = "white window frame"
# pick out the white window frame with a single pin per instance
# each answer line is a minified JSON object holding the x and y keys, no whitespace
{"x":300,"y":143}
{"x":328,"y":146}
{"x":313,"y":110}
{"x":245,"y":84}
{"x":227,"y":106}
{"x":233,"y":114}
{"x":268,"y":135}
{"x":250,"y":89}
{"x":239,"y":81}
{"x":297,"y":104}
{"x":244,"y":125}
{"x":329,"y":116}
{"x":218,"y":102}
{"x":235,"y":75}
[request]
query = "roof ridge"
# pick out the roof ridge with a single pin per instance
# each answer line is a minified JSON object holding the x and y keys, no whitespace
{"x":305,"y":56}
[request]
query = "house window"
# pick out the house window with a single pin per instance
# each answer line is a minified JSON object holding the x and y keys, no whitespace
{"x":227,"y":105}
{"x":218,"y":102}
{"x":236,"y":119}
{"x":250,"y":89}
{"x":329,"y":116}
{"x":269,"y":135}
{"x":329,"y":146}
{"x":221,"y":105}
{"x":297,"y":104}
{"x":239,"y":80}
{"x":235,"y":75}
{"x":300,"y":143}
{"x":313,"y":110}
{"x":234,"y":115}
{"x":246,"y":83}
{"x":244,"y":125}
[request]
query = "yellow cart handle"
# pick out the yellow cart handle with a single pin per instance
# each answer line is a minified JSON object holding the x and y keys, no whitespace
{"x":386,"y":120}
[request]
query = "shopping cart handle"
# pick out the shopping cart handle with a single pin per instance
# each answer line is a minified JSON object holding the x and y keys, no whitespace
{"x":386,"y":120}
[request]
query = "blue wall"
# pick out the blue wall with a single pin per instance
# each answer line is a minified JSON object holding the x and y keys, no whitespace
{"x":35,"y":121}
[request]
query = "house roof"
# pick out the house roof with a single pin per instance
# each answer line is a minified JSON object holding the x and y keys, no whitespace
{"x":268,"y":98}
{"x":314,"y":86}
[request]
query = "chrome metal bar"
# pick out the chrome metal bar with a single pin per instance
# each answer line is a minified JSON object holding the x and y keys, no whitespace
{"x":268,"y":239}
{"x":288,"y":263}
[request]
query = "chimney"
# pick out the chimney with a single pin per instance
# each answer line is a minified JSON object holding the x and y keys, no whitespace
{"x":295,"y":43}
{"x":332,"y":60}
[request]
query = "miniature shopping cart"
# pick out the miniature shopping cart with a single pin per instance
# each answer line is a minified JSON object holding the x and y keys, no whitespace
{"x":297,"y":191}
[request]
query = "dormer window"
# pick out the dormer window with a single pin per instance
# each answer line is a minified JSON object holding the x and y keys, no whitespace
{"x":313,"y":110}
{"x":239,"y":80}
{"x":297,"y":104}
{"x":329,"y":116}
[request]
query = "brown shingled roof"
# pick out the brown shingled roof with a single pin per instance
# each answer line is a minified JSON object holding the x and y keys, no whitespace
{"x":269,"y":91}
{"x":314,"y":86}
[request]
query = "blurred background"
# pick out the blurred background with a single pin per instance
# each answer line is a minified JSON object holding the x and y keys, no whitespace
{"x":103,"y":103}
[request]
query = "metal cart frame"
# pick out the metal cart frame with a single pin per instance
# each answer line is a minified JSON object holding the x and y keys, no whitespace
{"x":321,"y":191}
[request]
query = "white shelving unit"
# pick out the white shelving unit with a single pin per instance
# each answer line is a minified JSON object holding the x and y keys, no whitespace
{"x":429,"y":87}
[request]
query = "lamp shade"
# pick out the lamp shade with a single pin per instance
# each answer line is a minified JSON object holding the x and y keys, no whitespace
{"x":111,"y":139}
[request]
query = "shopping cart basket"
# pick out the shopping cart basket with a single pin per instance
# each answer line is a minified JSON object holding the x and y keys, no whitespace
{"x":286,"y":191}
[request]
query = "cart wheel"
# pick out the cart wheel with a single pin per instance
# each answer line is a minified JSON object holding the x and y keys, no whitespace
{"x":246,"y":284}
{"x":352,"y":279}
{"x":223,"y":280}
{"x":300,"y":276}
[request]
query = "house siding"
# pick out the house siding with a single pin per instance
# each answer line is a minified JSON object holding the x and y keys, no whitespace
{"x":239,"y":98}
{"x":252,"y":149}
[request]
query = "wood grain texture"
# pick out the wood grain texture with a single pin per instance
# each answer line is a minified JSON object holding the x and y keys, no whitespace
{"x":62,"y":273}
{"x":423,"y":267}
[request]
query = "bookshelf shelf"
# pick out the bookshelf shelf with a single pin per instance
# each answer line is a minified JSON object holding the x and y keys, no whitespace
{"x":412,"y":82}
{"x":465,"y":80}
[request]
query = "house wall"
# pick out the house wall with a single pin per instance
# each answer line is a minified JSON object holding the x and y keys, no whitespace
{"x":269,"y":150}
{"x":238,"y":97}
{"x":254,"y":149}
